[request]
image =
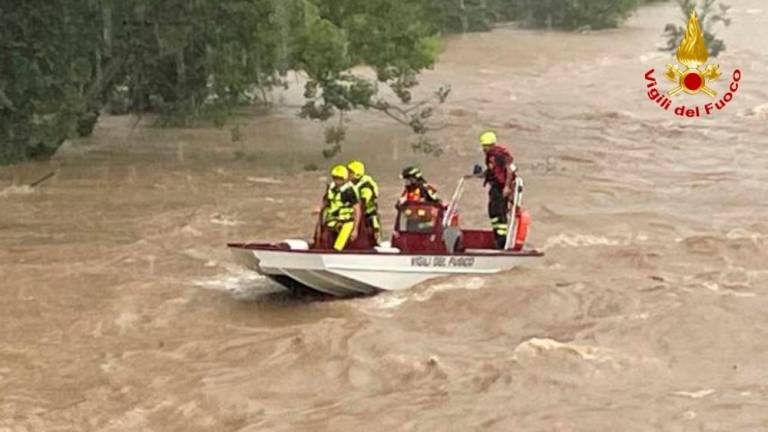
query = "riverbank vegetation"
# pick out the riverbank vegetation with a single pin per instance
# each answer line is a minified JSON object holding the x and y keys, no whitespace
{"x":710,"y":14}
{"x":66,"y":62}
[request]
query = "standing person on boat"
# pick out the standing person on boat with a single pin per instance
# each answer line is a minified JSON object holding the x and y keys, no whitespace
{"x":368,"y":191}
{"x":416,"y":188}
{"x":341,"y":211}
{"x":499,"y":173}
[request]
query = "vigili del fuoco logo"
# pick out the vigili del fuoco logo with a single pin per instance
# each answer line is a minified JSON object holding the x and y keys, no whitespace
{"x":695,"y":77}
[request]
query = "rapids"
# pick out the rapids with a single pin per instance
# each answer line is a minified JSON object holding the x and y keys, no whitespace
{"x":122,"y":310}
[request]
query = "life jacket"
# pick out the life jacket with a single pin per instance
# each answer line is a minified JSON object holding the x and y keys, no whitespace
{"x":339,"y":207}
{"x":423,"y":192}
{"x":497,"y":161}
{"x":368,"y":191}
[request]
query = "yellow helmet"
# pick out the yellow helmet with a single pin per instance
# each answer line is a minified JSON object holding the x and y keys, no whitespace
{"x":488,"y":138}
{"x":340,"y":171}
{"x":357,"y":168}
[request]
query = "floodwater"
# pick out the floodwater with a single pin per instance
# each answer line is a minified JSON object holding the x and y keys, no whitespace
{"x":121,"y":309}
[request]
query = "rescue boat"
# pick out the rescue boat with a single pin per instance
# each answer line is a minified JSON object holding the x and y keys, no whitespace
{"x":426,"y":243}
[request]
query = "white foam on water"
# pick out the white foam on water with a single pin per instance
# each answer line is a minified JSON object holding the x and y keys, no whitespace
{"x":224,"y":220}
{"x":699,"y":394}
{"x":189,"y":230}
{"x":580,"y":240}
{"x":241,"y":283}
{"x":740,"y":294}
{"x":716,"y":288}
{"x":389,"y":301}
{"x":383,"y":304}
{"x":126,"y":320}
{"x":110,"y":365}
{"x":759,"y":112}
{"x":16,"y":190}
{"x":264,"y":180}
{"x":461,"y":283}
{"x":539,"y":347}
{"x":743,"y":234}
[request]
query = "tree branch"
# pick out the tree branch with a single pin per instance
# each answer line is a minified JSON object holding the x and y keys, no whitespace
{"x":101,"y":83}
{"x":5,"y":102}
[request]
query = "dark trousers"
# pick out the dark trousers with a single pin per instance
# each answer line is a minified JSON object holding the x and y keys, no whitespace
{"x":374,"y":223}
{"x":498,"y":212}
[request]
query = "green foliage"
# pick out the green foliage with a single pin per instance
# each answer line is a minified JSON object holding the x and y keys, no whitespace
{"x":461,"y":16}
{"x":184,"y":59}
{"x":464,"y":15}
{"x":708,"y":16}
{"x":245,"y":156}
{"x":395,"y":38}
{"x":64,"y":61}
{"x":183,"y":55}
{"x":574,"y":14}
{"x":48,"y":77}
{"x":426,"y":146}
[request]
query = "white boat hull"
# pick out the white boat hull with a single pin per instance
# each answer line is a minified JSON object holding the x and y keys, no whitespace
{"x":346,"y":274}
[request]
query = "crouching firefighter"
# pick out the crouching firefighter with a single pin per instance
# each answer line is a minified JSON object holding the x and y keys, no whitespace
{"x":500,"y":175}
{"x":416,"y":188}
{"x":341,"y":213}
{"x":368,"y":191}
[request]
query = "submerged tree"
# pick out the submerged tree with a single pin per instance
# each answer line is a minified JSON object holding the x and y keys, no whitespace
{"x":64,"y":59}
{"x":372,"y":33}
{"x":50,"y":76}
{"x":479,"y":15}
{"x":574,"y":14}
{"x":461,"y":16}
{"x":708,"y":17}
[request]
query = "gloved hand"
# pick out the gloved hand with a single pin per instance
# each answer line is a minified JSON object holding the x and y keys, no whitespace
{"x":477,"y":170}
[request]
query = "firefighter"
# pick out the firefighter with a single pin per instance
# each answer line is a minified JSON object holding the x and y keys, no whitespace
{"x":499,"y":174}
{"x":341,"y":211}
{"x":368,"y":191}
{"x":416,"y":187}
{"x":417,"y":190}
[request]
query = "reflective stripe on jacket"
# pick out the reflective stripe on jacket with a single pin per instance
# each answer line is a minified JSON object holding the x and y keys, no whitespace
{"x":368,"y":191}
{"x":340,"y":203}
{"x":421,"y":193}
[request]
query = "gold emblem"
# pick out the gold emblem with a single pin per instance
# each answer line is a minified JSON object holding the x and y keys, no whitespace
{"x":693,"y":53}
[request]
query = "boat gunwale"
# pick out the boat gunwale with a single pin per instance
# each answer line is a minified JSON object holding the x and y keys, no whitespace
{"x":271,"y":247}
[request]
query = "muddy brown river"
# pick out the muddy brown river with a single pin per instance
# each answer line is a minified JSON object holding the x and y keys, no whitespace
{"x":122,"y":310}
